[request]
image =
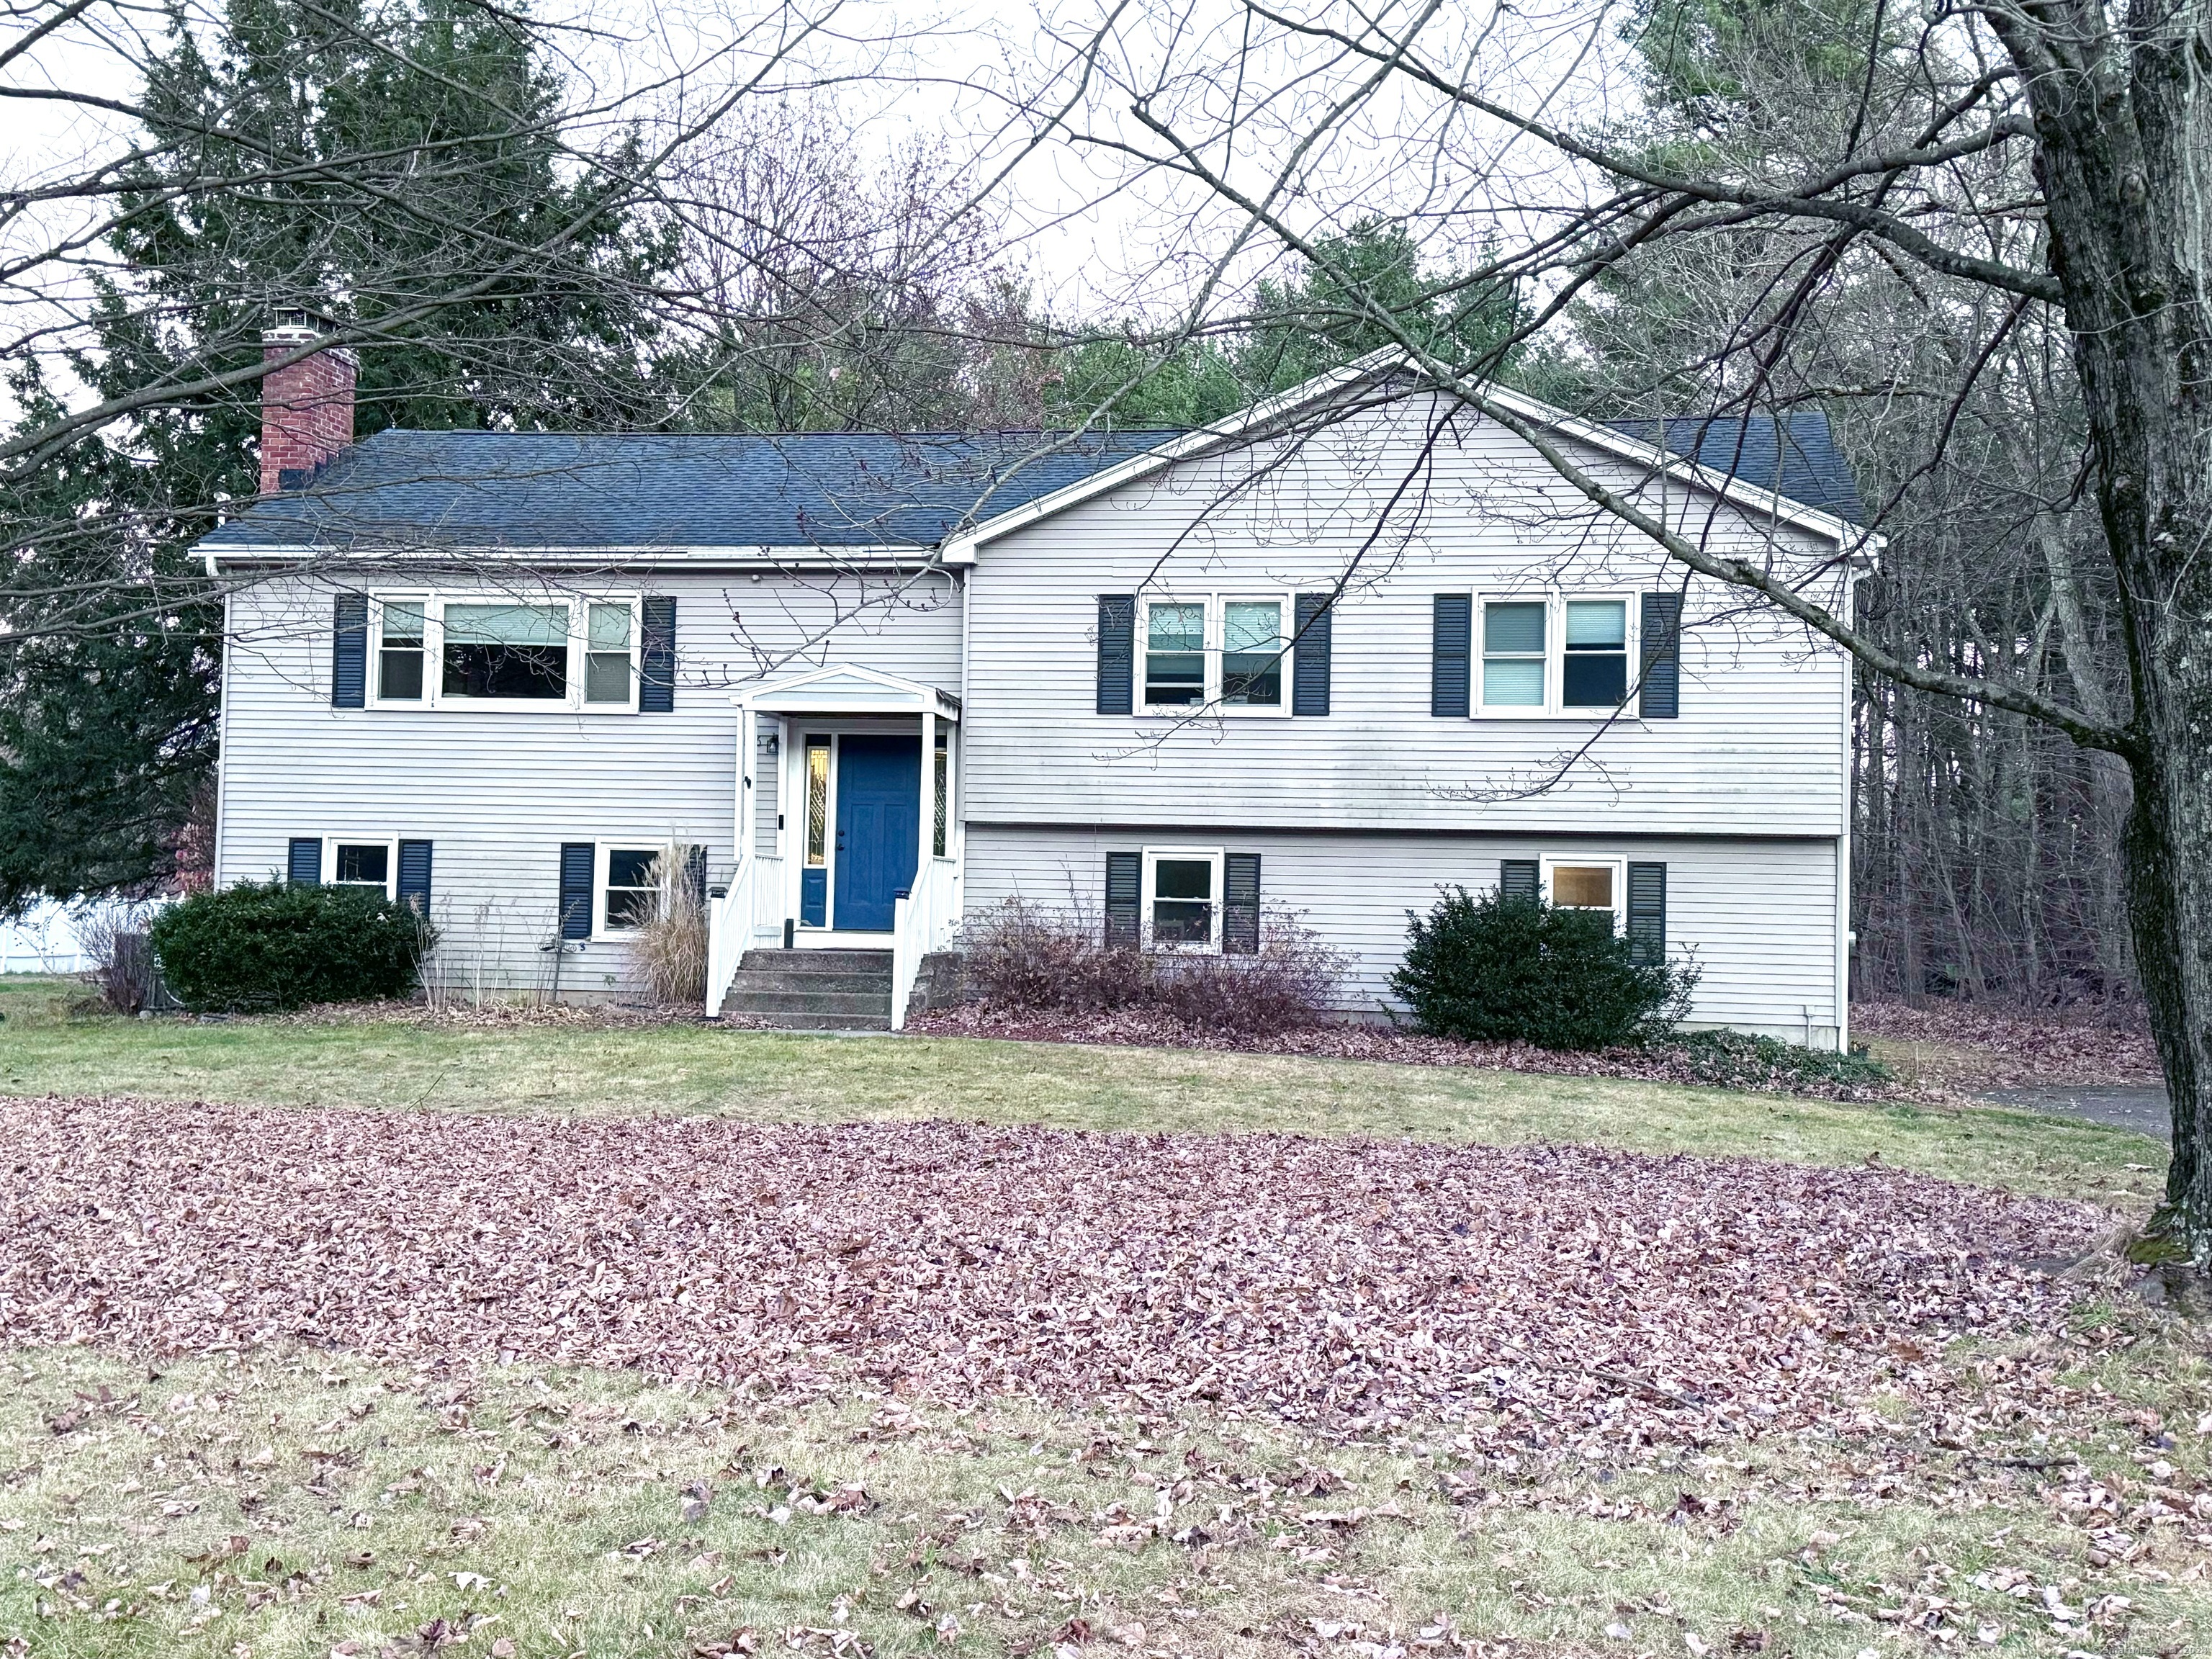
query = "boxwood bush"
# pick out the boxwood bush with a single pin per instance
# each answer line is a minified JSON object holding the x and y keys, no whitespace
{"x":257,"y":947}
{"x":1498,"y":969}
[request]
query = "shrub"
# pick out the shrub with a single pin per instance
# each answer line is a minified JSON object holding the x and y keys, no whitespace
{"x":671,"y":950}
{"x":1498,"y":969}
{"x":1736,"y":1059}
{"x":123,"y":968}
{"x":257,"y":947}
{"x":1025,"y":956}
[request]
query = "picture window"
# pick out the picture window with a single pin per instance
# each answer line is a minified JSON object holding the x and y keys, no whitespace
{"x":505,"y":652}
{"x":481,"y":650}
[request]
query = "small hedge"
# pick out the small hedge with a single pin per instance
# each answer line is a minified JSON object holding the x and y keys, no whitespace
{"x":1736,"y":1059}
{"x":1497,"y":969}
{"x":263,"y":947}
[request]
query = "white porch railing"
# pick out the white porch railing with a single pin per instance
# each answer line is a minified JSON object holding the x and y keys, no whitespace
{"x":924,"y":921}
{"x":735,"y":920}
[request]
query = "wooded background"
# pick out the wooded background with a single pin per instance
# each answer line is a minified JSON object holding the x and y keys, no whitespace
{"x":510,"y":246}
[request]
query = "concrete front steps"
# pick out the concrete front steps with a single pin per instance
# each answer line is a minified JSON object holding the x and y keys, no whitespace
{"x":813,"y":990}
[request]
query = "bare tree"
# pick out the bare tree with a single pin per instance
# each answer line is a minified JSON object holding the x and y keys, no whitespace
{"x":490,"y":212}
{"x":2040,"y":161}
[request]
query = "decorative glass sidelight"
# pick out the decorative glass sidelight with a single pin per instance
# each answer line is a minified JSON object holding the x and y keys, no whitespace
{"x":814,"y":870}
{"x":817,"y":802}
{"x":944,"y":779}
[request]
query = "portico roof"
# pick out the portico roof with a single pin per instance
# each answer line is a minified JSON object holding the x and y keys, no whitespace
{"x":846,"y":688}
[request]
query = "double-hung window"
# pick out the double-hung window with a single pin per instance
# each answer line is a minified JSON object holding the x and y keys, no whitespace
{"x":1226,"y":650}
{"x":467,"y":650}
{"x":610,"y":643}
{"x":1586,"y":883}
{"x":1175,"y":654}
{"x":399,"y":651}
{"x":630,"y":887}
{"x":1182,"y":897}
{"x":1514,"y":635}
{"x":1552,"y":654}
{"x":1594,"y":665}
{"x":361,"y":861}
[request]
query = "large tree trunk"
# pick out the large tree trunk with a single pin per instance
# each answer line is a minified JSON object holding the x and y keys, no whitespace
{"x":2123,"y":143}
{"x":2170,"y":900}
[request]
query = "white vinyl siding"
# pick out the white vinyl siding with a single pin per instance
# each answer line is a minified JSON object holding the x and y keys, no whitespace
{"x":498,"y":791}
{"x":1761,"y":746}
{"x":1758,"y":917}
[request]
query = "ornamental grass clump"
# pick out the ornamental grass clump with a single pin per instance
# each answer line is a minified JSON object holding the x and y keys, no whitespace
{"x":1499,"y":970}
{"x":669,"y":947}
{"x":262,"y":947}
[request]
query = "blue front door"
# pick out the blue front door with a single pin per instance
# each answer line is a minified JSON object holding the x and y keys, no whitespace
{"x":879,"y":827}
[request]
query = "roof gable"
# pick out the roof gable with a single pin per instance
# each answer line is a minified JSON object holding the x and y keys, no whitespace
{"x":1751,"y":461}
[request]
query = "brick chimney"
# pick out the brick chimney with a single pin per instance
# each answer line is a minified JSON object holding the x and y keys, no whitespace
{"x":307,"y":409}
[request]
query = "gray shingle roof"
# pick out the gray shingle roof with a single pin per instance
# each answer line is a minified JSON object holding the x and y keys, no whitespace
{"x":1752,"y":447}
{"x":543,"y":491}
{"x":526,"y":491}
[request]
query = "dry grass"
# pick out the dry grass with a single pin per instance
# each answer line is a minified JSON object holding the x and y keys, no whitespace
{"x":302,"y":1504}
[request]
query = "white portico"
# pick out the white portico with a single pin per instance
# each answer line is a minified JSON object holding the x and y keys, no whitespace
{"x":846,"y":833}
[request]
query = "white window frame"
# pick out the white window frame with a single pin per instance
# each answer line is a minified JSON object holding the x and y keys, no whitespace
{"x":376,"y":697}
{"x":1218,"y":858}
{"x":1555,"y":601}
{"x":1618,"y":864}
{"x":1216,"y":604}
{"x":435,"y":695}
{"x":602,"y":858}
{"x":390,"y":845}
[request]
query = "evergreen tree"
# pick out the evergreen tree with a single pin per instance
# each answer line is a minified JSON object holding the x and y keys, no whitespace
{"x":400,"y":167}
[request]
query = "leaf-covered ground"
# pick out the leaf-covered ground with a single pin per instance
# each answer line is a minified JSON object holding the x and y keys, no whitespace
{"x":1959,"y":1045}
{"x":1550,"y":1295}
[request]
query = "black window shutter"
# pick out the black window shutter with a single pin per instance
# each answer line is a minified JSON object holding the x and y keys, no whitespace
{"x":349,"y":651}
{"x":1519,"y":878}
{"x":1240,"y":904}
{"x":1647,"y":914}
{"x":1659,"y":689}
{"x":579,"y":863}
{"x":1451,"y":636}
{"x":694,"y":872}
{"x":303,"y":861}
{"x":656,"y":661}
{"x":1125,"y":877}
{"x":1117,"y":652}
{"x":1309,"y":655}
{"x":414,"y":887}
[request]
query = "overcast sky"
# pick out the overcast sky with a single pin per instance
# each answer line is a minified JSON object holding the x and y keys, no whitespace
{"x":1100,"y":235}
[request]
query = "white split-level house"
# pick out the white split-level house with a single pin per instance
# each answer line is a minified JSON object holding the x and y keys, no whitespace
{"x":1320,"y":664}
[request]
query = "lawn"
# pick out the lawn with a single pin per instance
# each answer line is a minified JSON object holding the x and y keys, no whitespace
{"x":284,"y":1500}
{"x":302,"y":1506}
{"x":775,"y":1078}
